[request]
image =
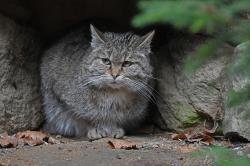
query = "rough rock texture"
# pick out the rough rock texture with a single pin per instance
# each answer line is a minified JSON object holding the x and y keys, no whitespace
{"x":237,"y":119}
{"x":20,"y":106}
{"x":187,"y":100}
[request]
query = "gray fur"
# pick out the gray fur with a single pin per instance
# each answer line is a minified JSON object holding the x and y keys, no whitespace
{"x":81,"y":97}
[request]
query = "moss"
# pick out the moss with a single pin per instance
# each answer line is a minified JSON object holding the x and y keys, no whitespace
{"x":186,"y":114}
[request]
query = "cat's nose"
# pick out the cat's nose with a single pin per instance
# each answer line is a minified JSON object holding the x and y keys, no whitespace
{"x":115,"y":72}
{"x":115,"y":75}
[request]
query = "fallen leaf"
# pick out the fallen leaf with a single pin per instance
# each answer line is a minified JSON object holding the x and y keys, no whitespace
{"x":4,"y":143}
{"x":121,"y":144}
{"x":32,"y":138}
{"x":32,"y":135}
{"x":7,"y":141}
{"x":180,"y":136}
{"x":186,"y":149}
{"x":198,"y":134}
{"x":207,"y":139}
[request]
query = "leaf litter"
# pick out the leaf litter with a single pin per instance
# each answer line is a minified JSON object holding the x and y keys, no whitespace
{"x":31,"y":138}
{"x":201,"y":135}
{"x":121,"y":144}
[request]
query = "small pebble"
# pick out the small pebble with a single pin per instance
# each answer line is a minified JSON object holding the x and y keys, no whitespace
{"x":240,"y":153}
{"x":118,"y":156}
{"x":58,"y":136}
{"x":67,"y":150}
{"x":156,"y":146}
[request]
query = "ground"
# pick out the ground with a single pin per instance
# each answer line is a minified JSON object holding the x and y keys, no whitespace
{"x":153,"y":150}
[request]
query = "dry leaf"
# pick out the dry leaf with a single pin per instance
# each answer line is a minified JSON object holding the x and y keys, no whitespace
{"x":7,"y":141}
{"x":32,"y":135}
{"x":186,"y":149}
{"x":209,"y":140}
{"x":121,"y":144}
{"x":198,"y":134}
{"x":32,"y":138}
{"x":180,"y":136}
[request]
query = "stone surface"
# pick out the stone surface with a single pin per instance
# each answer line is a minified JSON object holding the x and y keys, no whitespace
{"x":152,"y":151}
{"x":190,"y":99}
{"x":20,"y":106}
{"x":236,"y":122}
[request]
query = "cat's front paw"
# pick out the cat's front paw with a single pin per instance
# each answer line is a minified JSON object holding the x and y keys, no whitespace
{"x":96,"y":133}
{"x":117,"y":133}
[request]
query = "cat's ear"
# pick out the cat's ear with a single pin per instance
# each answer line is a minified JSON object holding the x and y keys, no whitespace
{"x":97,"y":36}
{"x":146,"y":39}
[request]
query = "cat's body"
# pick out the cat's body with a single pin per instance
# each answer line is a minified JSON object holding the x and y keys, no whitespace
{"x":98,"y":89}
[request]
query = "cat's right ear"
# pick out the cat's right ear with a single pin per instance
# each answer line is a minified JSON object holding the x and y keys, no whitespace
{"x":97,"y":37}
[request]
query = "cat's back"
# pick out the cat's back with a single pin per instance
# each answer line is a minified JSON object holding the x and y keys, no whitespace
{"x":61,"y":59}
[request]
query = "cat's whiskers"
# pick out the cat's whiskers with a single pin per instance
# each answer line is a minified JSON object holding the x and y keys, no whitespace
{"x":93,"y":79}
{"x":146,"y":92}
{"x":88,"y":83}
{"x":154,"y":92}
{"x":149,"y":91}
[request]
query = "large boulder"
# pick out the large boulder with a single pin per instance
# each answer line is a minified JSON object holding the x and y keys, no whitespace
{"x":236,"y":122}
{"x":190,"y":99}
{"x":20,"y":105}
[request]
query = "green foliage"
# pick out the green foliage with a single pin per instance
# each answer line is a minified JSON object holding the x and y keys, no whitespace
{"x":196,"y":15}
{"x":225,"y":20}
{"x":223,"y":156}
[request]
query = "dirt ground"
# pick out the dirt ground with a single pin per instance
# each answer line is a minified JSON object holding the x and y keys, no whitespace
{"x":152,"y":150}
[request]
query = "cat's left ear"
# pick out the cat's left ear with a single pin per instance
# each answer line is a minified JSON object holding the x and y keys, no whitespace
{"x":97,"y":37}
{"x":147,"y":39}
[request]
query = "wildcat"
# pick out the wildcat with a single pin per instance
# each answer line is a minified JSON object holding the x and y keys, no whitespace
{"x":98,"y":88}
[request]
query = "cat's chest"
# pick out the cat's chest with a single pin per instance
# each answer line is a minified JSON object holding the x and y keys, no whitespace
{"x":115,"y":99}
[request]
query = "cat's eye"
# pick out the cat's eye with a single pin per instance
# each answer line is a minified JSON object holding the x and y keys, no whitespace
{"x":106,"y":61}
{"x":127,"y":64}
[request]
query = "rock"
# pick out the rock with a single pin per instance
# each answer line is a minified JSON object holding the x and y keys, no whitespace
{"x":236,"y":122}
{"x":240,"y":153}
{"x":20,"y":105}
{"x":190,"y":99}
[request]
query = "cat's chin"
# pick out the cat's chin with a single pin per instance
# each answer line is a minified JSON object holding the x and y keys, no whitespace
{"x":115,"y":86}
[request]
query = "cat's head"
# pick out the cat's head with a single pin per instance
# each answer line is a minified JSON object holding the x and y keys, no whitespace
{"x":119,"y":60}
